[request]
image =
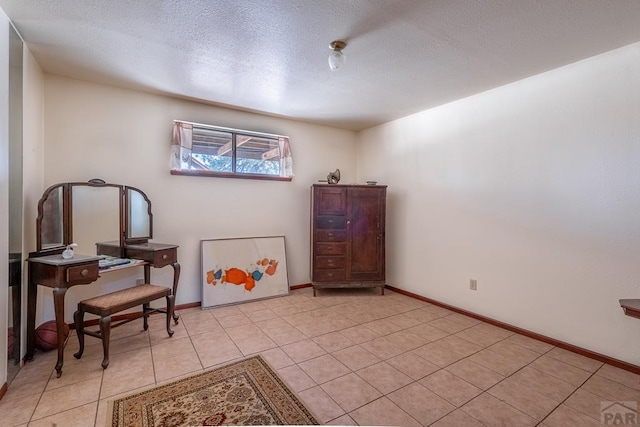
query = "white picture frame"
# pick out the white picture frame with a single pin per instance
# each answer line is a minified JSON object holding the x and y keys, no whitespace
{"x":243,"y":269}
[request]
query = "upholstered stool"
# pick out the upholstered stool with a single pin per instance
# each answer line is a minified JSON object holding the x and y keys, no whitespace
{"x":108,"y":304}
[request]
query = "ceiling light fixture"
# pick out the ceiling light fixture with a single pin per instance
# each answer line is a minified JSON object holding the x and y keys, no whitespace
{"x":337,"y":59}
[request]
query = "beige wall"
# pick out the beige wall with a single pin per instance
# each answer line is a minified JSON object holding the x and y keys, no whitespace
{"x":533,"y":189}
{"x":123,"y":136}
{"x":32,"y":163}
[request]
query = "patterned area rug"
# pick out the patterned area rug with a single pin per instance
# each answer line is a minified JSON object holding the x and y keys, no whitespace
{"x":247,"y":392}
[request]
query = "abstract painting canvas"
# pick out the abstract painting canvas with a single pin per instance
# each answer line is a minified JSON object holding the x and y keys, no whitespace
{"x":244,"y":269}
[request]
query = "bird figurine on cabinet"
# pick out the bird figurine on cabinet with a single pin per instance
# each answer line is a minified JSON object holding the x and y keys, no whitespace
{"x":333,"y":177}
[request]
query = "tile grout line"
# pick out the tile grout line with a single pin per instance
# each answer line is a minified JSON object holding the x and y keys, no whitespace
{"x":441,"y":368}
{"x":331,"y":306}
{"x":567,"y":398}
{"x":408,"y":351}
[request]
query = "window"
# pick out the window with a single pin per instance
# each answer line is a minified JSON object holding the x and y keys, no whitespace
{"x":198,"y":149}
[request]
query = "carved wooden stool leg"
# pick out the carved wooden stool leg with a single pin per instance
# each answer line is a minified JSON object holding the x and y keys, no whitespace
{"x":78,"y":318}
{"x":145,"y":315}
{"x":176,"y":275}
{"x":170,"y":307}
{"x":105,"y":332}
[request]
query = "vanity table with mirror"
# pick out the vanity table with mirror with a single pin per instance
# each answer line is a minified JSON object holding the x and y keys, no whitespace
{"x":114,"y":218}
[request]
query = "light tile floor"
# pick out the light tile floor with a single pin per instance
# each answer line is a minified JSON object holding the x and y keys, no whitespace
{"x":354,"y":357}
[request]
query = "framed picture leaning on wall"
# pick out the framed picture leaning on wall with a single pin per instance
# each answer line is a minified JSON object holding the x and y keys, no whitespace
{"x":243,"y":269}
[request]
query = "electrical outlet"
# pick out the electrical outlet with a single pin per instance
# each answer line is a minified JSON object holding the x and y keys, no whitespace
{"x":139,"y":281}
{"x":473,"y":284}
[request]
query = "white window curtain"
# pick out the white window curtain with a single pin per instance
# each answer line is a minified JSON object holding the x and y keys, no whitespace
{"x":181,"y":145}
{"x":286,"y":161}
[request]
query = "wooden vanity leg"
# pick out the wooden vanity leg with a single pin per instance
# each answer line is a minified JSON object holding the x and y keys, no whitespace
{"x":58,"y":302}
{"x":147,"y":273}
{"x":32,"y":298}
{"x":176,"y":277}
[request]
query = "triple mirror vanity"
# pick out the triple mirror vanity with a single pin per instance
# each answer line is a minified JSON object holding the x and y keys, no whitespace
{"x":114,"y":218}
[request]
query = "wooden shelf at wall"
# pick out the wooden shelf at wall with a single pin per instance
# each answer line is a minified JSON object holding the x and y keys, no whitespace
{"x":631,"y":307}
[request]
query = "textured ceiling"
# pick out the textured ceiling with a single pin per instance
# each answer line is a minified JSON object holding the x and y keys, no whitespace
{"x":403,"y":56}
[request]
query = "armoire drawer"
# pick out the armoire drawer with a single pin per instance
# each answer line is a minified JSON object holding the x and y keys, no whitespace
{"x":329,"y":275}
{"x":331,"y":235}
{"x":335,"y":222}
{"x":330,"y":249}
{"x":330,"y":262}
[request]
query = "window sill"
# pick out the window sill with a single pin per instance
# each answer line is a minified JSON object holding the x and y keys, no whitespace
{"x":213,"y":174}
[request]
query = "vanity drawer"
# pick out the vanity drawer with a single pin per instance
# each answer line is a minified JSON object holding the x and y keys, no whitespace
{"x":331,"y":235}
{"x":85,"y":273}
{"x":329,"y":262}
{"x":330,"y":249}
{"x":154,"y":255}
{"x":335,"y":222}
{"x":164,"y":257}
{"x":329,"y":275}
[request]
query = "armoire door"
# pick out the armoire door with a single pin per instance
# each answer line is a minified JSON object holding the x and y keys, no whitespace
{"x":365,"y":229}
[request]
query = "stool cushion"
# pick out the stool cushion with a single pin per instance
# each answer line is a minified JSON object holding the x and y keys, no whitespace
{"x":105,"y":305}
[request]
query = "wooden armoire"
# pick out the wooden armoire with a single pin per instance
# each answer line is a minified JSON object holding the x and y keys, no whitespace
{"x":348,"y":236}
